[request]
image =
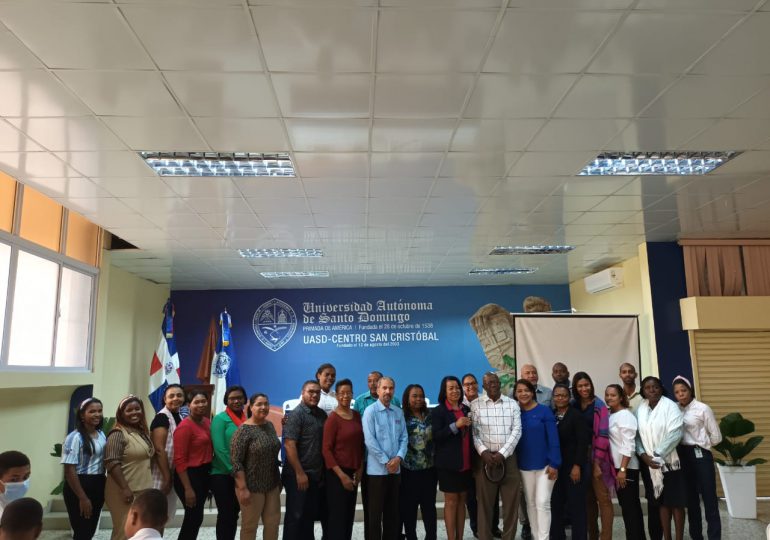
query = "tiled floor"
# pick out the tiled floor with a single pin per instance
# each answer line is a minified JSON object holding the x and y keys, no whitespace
{"x":735,"y":529}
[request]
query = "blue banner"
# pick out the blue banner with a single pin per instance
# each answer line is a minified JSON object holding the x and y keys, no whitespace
{"x":415,"y":335}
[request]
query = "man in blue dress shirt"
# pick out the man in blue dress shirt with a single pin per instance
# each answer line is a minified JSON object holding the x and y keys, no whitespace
{"x":386,"y":439}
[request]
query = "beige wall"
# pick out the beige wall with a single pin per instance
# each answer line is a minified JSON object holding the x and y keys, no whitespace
{"x":631,"y":299}
{"x":33,"y":406}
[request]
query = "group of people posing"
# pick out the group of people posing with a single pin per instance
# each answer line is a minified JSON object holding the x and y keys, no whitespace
{"x":552,"y":457}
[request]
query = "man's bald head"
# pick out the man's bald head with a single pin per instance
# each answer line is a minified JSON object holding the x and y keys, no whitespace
{"x":560,"y":373}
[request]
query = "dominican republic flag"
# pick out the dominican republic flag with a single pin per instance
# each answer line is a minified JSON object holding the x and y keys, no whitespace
{"x":224,"y":368}
{"x":164,"y":368}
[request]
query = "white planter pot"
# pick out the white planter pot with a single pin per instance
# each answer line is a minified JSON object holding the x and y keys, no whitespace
{"x":740,"y":487}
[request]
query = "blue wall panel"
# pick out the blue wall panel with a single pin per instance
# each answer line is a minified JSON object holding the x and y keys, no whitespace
{"x":667,"y":283}
{"x":389,"y":346}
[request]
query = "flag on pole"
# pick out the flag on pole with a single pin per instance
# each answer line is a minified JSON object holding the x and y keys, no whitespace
{"x":224,"y":368}
{"x":208,"y":354}
{"x":164,"y":368}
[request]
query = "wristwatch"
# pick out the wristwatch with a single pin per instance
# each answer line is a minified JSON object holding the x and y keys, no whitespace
{"x":622,"y":469}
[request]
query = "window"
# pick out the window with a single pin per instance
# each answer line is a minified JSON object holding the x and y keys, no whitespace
{"x":50,"y":308}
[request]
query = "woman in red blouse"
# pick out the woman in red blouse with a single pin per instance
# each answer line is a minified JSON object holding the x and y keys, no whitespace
{"x":192,"y":460}
{"x":343,"y":452}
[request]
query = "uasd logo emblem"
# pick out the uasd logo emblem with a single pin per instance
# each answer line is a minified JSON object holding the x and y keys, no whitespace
{"x":274,"y":323}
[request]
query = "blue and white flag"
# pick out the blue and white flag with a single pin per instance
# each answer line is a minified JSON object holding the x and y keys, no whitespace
{"x":164,"y":368}
{"x":224,"y":367}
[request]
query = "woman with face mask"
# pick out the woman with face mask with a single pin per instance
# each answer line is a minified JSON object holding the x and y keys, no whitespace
{"x":162,"y":430}
{"x":83,"y":460}
{"x":128,"y":460}
{"x":14,"y":477}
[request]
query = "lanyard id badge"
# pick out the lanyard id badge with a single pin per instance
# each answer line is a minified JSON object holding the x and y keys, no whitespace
{"x":698,"y":452}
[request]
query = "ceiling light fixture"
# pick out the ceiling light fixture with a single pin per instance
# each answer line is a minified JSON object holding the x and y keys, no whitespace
{"x":530,"y":250}
{"x":503,"y":271}
{"x":280,"y":252}
{"x":219,"y":163}
{"x":656,"y":163}
{"x":277,"y":275}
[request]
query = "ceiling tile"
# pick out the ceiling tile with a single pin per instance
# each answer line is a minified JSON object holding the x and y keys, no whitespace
{"x":230,"y":221}
{"x":22,"y":165}
{"x":421,"y":96}
{"x":756,"y":107}
{"x":328,"y":135}
{"x":416,"y":40}
{"x":150,"y":206}
{"x":15,"y":55}
{"x":439,"y":205}
{"x":405,"y":164}
{"x":592,"y":185}
{"x":658,"y":134}
{"x":522,"y":44}
{"x":157,"y":134}
{"x":14,"y":140}
{"x":212,"y":205}
{"x":65,"y":188}
{"x":243,"y":134}
{"x":314,"y":39}
{"x":269,"y":187}
{"x":181,"y":39}
{"x":411,"y":135}
{"x":336,"y":187}
{"x":36,"y":93}
{"x":477,"y":164}
{"x":340,"y":220}
{"x":739,"y":53}
{"x":396,"y":205}
{"x":106,"y":164}
{"x":534,"y":164}
{"x":702,"y":96}
{"x":203,"y":187}
{"x":536,"y":95}
{"x":121,"y":93}
{"x":465,"y":187}
{"x":530,"y":186}
{"x":611,"y":96}
{"x":588,"y":134}
{"x":490,"y":135}
{"x":732,"y":134}
{"x":278,"y":222}
{"x":400,"y":187}
{"x":330,"y":165}
{"x":338,"y":95}
{"x":334,"y":205}
{"x":135,"y":187}
{"x":76,"y":36}
{"x":746,"y":163}
{"x":70,"y":133}
{"x":389,"y":219}
{"x":223,"y":94}
{"x":269,"y":205}
{"x":104,"y":206}
{"x":679,"y":39}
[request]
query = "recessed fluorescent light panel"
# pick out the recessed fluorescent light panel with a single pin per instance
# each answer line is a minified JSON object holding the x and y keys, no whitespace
{"x":280,"y":252}
{"x":656,"y":163}
{"x":277,"y":275}
{"x":219,"y":163}
{"x":503,"y":271}
{"x":530,"y":250}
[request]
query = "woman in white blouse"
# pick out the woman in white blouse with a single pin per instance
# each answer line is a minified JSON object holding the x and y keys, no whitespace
{"x":623,"y":449}
{"x":701,"y":432}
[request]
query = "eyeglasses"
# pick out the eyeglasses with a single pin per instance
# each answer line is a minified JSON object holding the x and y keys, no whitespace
{"x":470,"y":384}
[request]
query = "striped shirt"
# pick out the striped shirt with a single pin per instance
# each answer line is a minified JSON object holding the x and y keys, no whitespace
{"x":72,"y":453}
{"x":496,"y":424}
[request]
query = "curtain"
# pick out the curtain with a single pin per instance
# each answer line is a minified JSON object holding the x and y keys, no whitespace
{"x":756,"y":260}
{"x":713,"y":270}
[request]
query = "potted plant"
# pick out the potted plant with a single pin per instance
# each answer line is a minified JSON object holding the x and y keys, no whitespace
{"x":738,"y":476}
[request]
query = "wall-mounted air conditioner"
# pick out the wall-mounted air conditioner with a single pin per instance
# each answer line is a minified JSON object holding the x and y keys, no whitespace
{"x":611,"y":278}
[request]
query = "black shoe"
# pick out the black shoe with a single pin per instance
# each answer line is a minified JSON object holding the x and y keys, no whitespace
{"x":475,"y":534}
{"x":497,"y":533}
{"x":526,"y":532}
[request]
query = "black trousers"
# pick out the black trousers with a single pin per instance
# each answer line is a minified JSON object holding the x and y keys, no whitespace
{"x":342,"y":510}
{"x":569,"y":499}
{"x":223,"y":489}
{"x":302,"y":507}
{"x":93,"y":486}
{"x":418,"y":488}
{"x":384,"y":521}
{"x":193,"y":517}
{"x":701,"y":483}
{"x":654,"y":528}
{"x":628,"y":499}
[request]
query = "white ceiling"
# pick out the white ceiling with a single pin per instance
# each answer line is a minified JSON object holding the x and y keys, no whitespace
{"x":424,"y":133}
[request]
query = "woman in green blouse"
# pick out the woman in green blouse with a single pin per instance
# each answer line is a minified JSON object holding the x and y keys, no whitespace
{"x":223,"y":427}
{"x":418,"y":476}
{"x":254,"y":452}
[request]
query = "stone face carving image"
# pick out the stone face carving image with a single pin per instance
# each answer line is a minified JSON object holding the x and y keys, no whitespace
{"x":493,"y":325}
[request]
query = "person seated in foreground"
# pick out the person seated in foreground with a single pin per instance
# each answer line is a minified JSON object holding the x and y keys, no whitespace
{"x":14,"y":477}
{"x":147,"y":516}
{"x":22,"y":520}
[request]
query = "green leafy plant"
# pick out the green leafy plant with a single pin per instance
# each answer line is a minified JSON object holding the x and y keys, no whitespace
{"x":109,"y":423}
{"x":733,"y":426}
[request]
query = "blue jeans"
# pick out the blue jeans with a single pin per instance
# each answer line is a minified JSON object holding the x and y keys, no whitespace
{"x":701,"y":483}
